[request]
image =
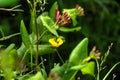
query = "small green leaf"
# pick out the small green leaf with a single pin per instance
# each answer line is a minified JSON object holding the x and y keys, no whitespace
{"x":24,"y":34}
{"x":41,"y":28}
{"x":52,"y":10}
{"x":7,"y":61}
{"x":9,"y":48}
{"x":60,"y":70}
{"x":21,"y":50}
{"x":64,"y":29}
{"x":79,"y":53}
{"x":64,"y":72}
{"x":78,"y":67}
{"x":37,"y":76}
{"x":89,"y":68}
{"x":49,"y":24}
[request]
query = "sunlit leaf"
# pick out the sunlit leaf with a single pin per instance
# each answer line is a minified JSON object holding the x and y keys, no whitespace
{"x":37,"y":76}
{"x":79,"y":52}
{"x":89,"y":68}
{"x":78,"y":67}
{"x":49,"y":24}
{"x":7,"y":61}
{"x":9,"y":48}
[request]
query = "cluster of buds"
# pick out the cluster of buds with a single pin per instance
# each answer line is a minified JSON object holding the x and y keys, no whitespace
{"x":95,"y":54}
{"x":62,"y":20}
{"x":79,"y":10}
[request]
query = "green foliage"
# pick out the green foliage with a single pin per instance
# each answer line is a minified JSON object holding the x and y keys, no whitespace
{"x":79,"y":53}
{"x":37,"y":76}
{"x":89,"y":68}
{"x":6,"y":3}
{"x":49,"y":24}
{"x":45,"y":36}
{"x":52,"y":10}
{"x":45,"y":49}
{"x":7,"y":62}
{"x":24,"y":34}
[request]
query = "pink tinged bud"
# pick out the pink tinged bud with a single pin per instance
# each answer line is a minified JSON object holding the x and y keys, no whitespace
{"x":94,"y":48}
{"x":95,"y":53}
{"x":98,"y":55}
{"x":79,"y":10}
{"x":57,"y":15}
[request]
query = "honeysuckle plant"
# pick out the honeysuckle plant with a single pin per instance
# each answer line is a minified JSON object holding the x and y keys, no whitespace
{"x":27,"y":62}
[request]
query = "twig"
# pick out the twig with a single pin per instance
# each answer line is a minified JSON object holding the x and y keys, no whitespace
{"x":8,"y":37}
{"x":13,"y":9}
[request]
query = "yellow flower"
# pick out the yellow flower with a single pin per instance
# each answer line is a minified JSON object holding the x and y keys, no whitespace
{"x":56,"y":43}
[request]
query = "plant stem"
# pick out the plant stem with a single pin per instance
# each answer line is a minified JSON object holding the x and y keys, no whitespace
{"x":72,"y":77}
{"x":110,"y":70}
{"x":8,"y":37}
{"x":98,"y":69}
{"x":35,"y":17}
{"x":60,"y":57}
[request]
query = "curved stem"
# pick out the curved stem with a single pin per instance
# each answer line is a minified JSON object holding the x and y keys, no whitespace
{"x":110,"y":70}
{"x":60,"y":57}
{"x":98,"y":69}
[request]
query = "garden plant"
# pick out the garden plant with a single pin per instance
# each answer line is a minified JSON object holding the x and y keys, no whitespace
{"x":42,"y":39}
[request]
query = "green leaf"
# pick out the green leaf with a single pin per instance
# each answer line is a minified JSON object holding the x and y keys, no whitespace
{"x":52,"y":10}
{"x":24,"y":34}
{"x":21,"y":50}
{"x":49,"y":24}
{"x":72,"y":14}
{"x":64,"y":72}
{"x":37,"y":76}
{"x":9,"y":48}
{"x":78,"y":67}
{"x":6,"y":3}
{"x":44,"y":73}
{"x":89,"y":68}
{"x":79,"y":53}
{"x":45,"y":49}
{"x":7,"y":61}
{"x":60,"y":70}
{"x":64,"y":29}
{"x":41,"y":28}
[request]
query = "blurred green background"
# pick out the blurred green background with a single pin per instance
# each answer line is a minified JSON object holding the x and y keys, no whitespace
{"x":101,"y":24}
